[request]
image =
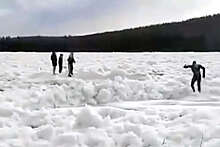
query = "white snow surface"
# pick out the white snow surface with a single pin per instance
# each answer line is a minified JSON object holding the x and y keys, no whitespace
{"x":113,"y":100}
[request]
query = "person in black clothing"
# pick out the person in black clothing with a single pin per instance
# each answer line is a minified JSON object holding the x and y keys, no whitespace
{"x":54,"y":61}
{"x":70,"y":60}
{"x":60,"y":63}
{"x":196,"y":74}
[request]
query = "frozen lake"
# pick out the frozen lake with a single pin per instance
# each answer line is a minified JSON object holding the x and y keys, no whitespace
{"x":126,"y":99}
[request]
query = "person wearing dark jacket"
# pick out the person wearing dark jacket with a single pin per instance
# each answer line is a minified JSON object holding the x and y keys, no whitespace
{"x":196,"y":74}
{"x":70,"y":60}
{"x":54,"y":61}
{"x":60,"y":63}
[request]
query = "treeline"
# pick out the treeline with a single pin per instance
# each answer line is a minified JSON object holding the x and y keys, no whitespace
{"x":199,"y":34}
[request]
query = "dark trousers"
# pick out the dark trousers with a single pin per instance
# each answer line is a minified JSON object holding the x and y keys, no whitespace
{"x":70,"y":66}
{"x":54,"y":70}
{"x":60,"y":68}
{"x":198,"y":79}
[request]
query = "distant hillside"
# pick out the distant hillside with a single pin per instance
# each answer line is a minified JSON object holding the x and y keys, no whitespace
{"x":199,"y":34}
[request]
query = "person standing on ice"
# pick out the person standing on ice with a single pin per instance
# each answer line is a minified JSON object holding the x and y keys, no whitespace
{"x":70,"y":60}
{"x":54,"y":61}
{"x":196,"y":74}
{"x":60,"y":63}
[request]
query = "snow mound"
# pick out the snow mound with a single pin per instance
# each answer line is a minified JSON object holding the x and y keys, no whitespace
{"x":88,"y":118}
{"x":45,"y":132}
{"x":129,"y":140}
{"x":65,"y":140}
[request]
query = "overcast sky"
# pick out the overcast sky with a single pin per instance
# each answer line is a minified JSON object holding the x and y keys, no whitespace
{"x":75,"y":17}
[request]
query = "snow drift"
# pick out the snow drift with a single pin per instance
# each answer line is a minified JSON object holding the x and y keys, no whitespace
{"x":113,"y":100}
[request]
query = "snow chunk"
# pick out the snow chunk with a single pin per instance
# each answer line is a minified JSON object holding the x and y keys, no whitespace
{"x":45,"y":132}
{"x":88,"y":118}
{"x":104,"y":96}
{"x":35,"y":119}
{"x":39,"y":144}
{"x":5,"y":112}
{"x":89,"y":90}
{"x":213,"y":143}
{"x":150,"y":138}
{"x":129,"y":140}
{"x":66,"y":140}
{"x":113,"y":113}
{"x":8,"y":133}
{"x":100,"y":139}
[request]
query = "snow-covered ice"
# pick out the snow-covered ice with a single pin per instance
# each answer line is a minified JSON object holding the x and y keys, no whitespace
{"x":113,"y":100}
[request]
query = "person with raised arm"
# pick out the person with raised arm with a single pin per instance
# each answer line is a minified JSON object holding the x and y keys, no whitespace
{"x":196,"y":74}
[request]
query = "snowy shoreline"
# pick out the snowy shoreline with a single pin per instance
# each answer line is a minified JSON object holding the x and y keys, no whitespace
{"x":125,"y":99}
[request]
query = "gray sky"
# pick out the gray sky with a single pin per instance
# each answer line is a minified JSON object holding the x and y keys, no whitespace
{"x":75,"y":17}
